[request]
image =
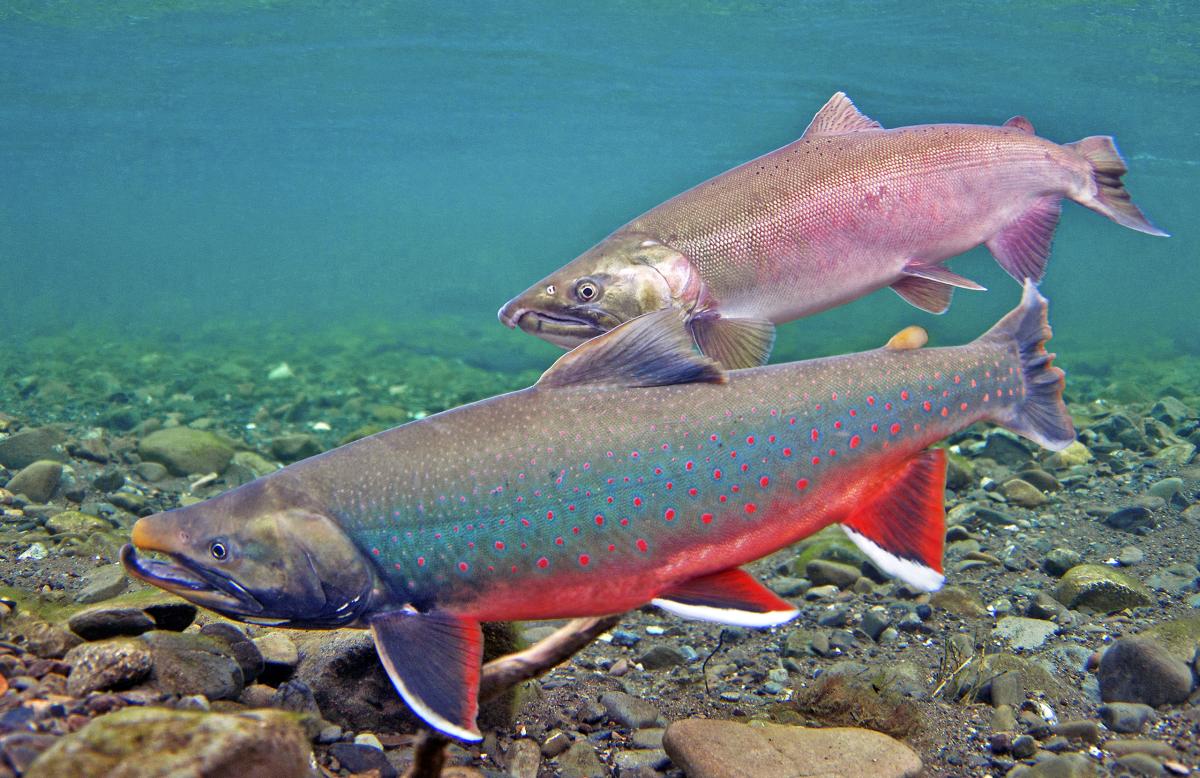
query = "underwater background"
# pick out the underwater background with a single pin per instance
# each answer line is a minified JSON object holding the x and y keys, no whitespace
{"x":209,"y":176}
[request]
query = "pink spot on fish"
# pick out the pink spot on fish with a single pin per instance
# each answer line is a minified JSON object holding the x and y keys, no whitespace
{"x":543,"y":562}
{"x":642,"y":545}
{"x":802,"y":484}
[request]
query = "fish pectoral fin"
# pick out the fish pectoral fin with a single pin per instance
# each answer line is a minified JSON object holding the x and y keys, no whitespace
{"x":838,"y":116}
{"x":900,"y":522}
{"x":941,"y":275}
{"x":434,"y":662}
{"x":652,"y":350}
{"x":1022,"y":247}
{"x":926,"y":294}
{"x":735,"y":343}
{"x":731,"y":596}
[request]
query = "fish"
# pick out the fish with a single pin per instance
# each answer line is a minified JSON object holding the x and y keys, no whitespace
{"x":847,"y":209}
{"x":635,"y":471}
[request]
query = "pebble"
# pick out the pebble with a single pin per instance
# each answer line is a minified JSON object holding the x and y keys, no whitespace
{"x":523,"y":759}
{"x":294,"y":447}
{"x":35,"y":551}
{"x":629,"y":711}
{"x":358,"y":758}
{"x":1056,"y":766}
{"x":103,"y":583}
{"x":1101,"y":588}
{"x":38,"y":481}
{"x":1023,"y":633}
{"x":1131,"y":518}
{"x":295,"y":696}
{"x":1058,"y":561}
{"x":102,"y":622}
{"x":557,"y":742}
{"x":108,"y":664}
{"x":152,"y":472}
{"x":1020,"y":492}
{"x":580,"y":761}
{"x":1167,"y":488}
{"x":660,"y":657}
{"x":1127,"y":717}
{"x":1008,"y":688}
{"x":1141,"y":670}
{"x":186,"y":451}
{"x":1129,"y":556}
{"x":823,"y":572}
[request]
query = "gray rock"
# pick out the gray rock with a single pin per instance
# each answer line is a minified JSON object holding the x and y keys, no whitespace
{"x":1127,"y":717}
{"x":629,"y":711}
{"x":1129,"y":556}
{"x":1056,"y":766}
{"x":171,"y":614}
{"x":633,"y":762}
{"x":1008,"y":688}
{"x":110,"y":480}
{"x":153,"y":472}
{"x":1101,"y":588}
{"x":1130,"y":518}
{"x":822,"y":572}
{"x":1024,"y":634}
{"x":295,"y":696}
{"x":103,"y":583}
{"x":1005,"y":448}
{"x":294,"y":447}
{"x":244,"y":650}
{"x":660,"y":657}
{"x":186,"y":451}
{"x":523,"y":759}
{"x":1079,"y":729}
{"x":108,"y":664}
{"x":102,"y":622}
{"x":556,"y":742}
{"x":1172,"y":411}
{"x":23,"y":448}
{"x":38,"y":480}
{"x":580,"y":761}
{"x":348,"y":681}
{"x":874,"y":622}
{"x":189,"y":663}
{"x":1167,"y":488}
{"x":20,"y":749}
{"x":1043,"y":606}
{"x":358,"y":758}
{"x":650,"y":737}
{"x":1141,"y":670}
{"x":1020,"y":492}
{"x":786,"y":586}
{"x":278,"y":652}
{"x":1058,"y":561}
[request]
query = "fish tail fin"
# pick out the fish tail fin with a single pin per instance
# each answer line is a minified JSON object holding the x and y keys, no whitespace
{"x":1111,"y":198}
{"x":1041,"y":415}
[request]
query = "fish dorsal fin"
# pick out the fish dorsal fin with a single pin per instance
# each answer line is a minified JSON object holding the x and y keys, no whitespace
{"x":654,"y":349}
{"x":838,"y":116}
{"x":907,"y":339}
{"x":1020,"y":123}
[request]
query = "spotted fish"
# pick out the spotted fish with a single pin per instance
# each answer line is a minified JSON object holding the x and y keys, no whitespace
{"x":635,"y":471}
{"x":847,"y":209}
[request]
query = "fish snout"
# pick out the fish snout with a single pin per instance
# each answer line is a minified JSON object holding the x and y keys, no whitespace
{"x":511,"y":312}
{"x":152,"y":533}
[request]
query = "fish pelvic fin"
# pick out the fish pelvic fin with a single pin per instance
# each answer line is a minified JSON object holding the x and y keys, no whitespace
{"x":925,"y":293}
{"x":1111,"y":198}
{"x":1023,"y":245}
{"x":900,"y":524}
{"x":837,"y":116}
{"x":735,"y":343}
{"x":1041,"y":415}
{"x":434,"y":661}
{"x":654,"y":349}
{"x":730,"y":596}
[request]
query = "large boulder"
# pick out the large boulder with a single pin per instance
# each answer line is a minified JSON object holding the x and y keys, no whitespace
{"x":1141,"y":670}
{"x":185,"y":451}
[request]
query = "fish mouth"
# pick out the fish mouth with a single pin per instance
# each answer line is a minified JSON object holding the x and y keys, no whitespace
{"x":558,"y":328}
{"x":202,"y":586}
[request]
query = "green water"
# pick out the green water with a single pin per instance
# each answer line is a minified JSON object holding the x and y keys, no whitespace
{"x":263,"y":177}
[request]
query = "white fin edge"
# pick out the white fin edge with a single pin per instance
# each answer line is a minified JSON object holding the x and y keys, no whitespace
{"x":731,"y":616}
{"x":914,"y":573}
{"x":427,"y":714}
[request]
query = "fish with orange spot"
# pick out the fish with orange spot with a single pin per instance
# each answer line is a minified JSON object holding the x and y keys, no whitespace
{"x":635,"y":471}
{"x":847,"y":209}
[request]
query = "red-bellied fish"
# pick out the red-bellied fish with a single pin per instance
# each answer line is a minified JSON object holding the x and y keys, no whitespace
{"x":845,"y":210}
{"x":635,"y":471}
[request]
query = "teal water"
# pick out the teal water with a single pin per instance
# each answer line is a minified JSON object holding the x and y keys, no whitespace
{"x":182,"y":169}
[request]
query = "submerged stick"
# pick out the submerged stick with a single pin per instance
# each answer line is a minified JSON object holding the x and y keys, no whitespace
{"x":505,"y":672}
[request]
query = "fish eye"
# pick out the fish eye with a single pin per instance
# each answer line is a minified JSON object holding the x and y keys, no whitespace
{"x":550,"y":289}
{"x":587,"y":290}
{"x":218,"y":549}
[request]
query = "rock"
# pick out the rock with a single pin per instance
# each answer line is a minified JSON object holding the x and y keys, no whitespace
{"x":1127,"y":717}
{"x":1023,"y":747}
{"x":874,"y":622}
{"x":359,"y":759}
{"x":1172,"y":411}
{"x":20,"y":749}
{"x":42,"y":639}
{"x":186,"y":451}
{"x":1140,"y":764}
{"x":1072,"y":456}
{"x":103,"y":583}
{"x":580,"y":761}
{"x":244,"y":650}
{"x":1079,"y":729}
{"x":1176,"y":454}
{"x":1022,"y":493}
{"x":1059,"y":560}
{"x":660,"y":657}
{"x":1130,"y":518}
{"x":38,"y":480}
{"x":295,"y":696}
{"x":1057,"y":766}
{"x":348,"y":681}
{"x":171,"y":614}
{"x":1101,"y":588}
{"x":629,"y":711}
{"x":152,"y":472}
{"x":294,"y":447}
{"x":1139,"y":669}
{"x":705,"y":748}
{"x":823,"y":572}
{"x":1040,"y":479}
{"x":1129,"y":556}
{"x":556,"y":742}
{"x":1005,"y":448}
{"x":189,"y":663}
{"x":1122,"y":746}
{"x":22,"y":449}
{"x":1008,"y":688}
{"x":141,"y":742}
{"x":1045,"y":607}
{"x":76,"y":523}
{"x":110,"y":480}
{"x":102,"y":622}
{"x":256,"y":463}
{"x":279,"y":655}
{"x":650,"y":737}
{"x":958,"y":601}
{"x":523,"y":759}
{"x":1165,"y":488}
{"x":1181,"y":637}
{"x":1024,"y":634}
{"x":108,"y":664}
{"x":35,"y":551}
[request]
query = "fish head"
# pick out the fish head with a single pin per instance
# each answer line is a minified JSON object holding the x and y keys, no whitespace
{"x":261,"y":553}
{"x":621,"y":278}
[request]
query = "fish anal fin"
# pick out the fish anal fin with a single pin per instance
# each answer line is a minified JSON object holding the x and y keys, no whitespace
{"x":900,"y":522}
{"x":434,"y":662}
{"x":1023,"y":245}
{"x":907,"y":339}
{"x":838,"y":116}
{"x":1019,"y":122}
{"x":735,"y":343}
{"x":941,"y":275}
{"x":924,"y":293}
{"x":654,"y":349}
{"x":730,"y":596}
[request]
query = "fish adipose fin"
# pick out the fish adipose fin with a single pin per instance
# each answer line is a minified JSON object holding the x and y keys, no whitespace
{"x":1020,"y":123}
{"x":839,"y":116}
{"x":655,"y":349}
{"x":900,"y":523}
{"x":731,"y":596}
{"x":907,"y":339}
{"x":941,"y":275}
{"x":1111,"y":199}
{"x":434,"y":662}
{"x":735,"y":343}
{"x":1023,"y":246}
{"x":1041,"y":414}
{"x":926,"y":294}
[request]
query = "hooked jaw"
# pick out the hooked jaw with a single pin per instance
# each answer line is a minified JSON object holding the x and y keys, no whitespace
{"x":559,"y":328}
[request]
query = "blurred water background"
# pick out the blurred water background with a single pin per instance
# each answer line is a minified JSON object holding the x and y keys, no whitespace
{"x":222,"y":174}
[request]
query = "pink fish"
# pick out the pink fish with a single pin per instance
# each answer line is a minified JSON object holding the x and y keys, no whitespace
{"x":848,"y":208}
{"x":635,"y":471}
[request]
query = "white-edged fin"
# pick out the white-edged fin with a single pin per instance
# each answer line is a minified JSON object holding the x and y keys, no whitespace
{"x":730,"y":596}
{"x":735,"y":343}
{"x":924,"y":293}
{"x":942,"y":276}
{"x":434,"y":662}
{"x":655,"y":349}
{"x":910,"y":571}
{"x":838,"y":116}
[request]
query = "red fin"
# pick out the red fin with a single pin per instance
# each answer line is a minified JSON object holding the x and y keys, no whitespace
{"x":731,"y":597}
{"x":900,"y":525}
{"x":925,"y":293}
{"x":1020,"y":123}
{"x":1022,"y":247}
{"x":434,"y":662}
